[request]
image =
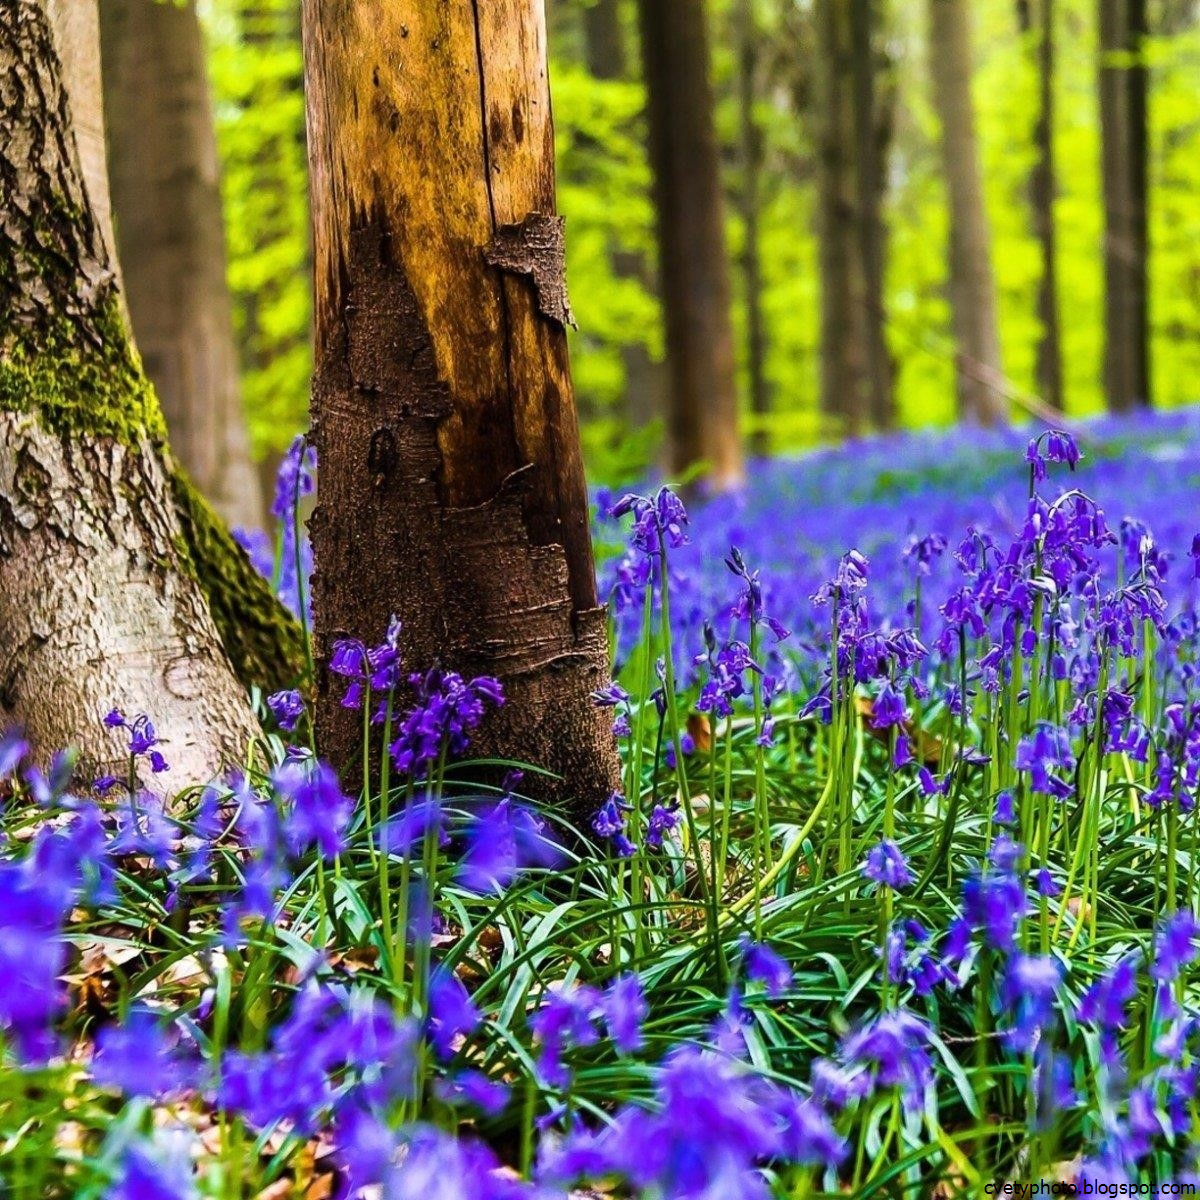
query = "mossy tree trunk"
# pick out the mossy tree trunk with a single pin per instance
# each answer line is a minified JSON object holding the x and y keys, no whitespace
{"x":452,"y":488}
{"x":972,"y":285}
{"x":170,"y":233}
{"x":100,"y":600}
{"x":702,"y":408}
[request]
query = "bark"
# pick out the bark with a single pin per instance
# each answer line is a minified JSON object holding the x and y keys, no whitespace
{"x":751,"y":211}
{"x":1123,"y":100}
{"x":1042,"y":190}
{"x":452,"y":488}
{"x":167,"y":198}
{"x":972,"y":286}
{"x":99,"y":600}
{"x":874,"y":113}
{"x":845,"y":391}
{"x":702,"y":415}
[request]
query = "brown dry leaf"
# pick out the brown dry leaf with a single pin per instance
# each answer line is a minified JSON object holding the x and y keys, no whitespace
{"x":357,"y":958}
{"x":699,"y":726}
{"x":281,"y":1189}
{"x":925,"y":746}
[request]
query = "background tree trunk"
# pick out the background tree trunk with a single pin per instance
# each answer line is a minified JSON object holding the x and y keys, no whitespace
{"x":874,"y":111}
{"x":452,"y":487}
{"x":1042,"y":188}
{"x":645,"y":379}
{"x":170,"y":231}
{"x":845,"y":394}
{"x":99,"y":600}
{"x":750,"y":203}
{"x":980,"y":382}
{"x":1123,"y":103}
{"x":702,"y":415}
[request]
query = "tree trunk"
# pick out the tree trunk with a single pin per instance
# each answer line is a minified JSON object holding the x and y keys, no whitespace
{"x":167,"y":199}
{"x":1041,"y":200}
{"x":702,"y":416}
{"x":452,"y":487}
{"x":1123,"y":91}
{"x":605,"y":52}
{"x":845,"y":392}
{"x":874,"y":110}
{"x":751,"y":211}
{"x":979,"y":380}
{"x":99,"y":600}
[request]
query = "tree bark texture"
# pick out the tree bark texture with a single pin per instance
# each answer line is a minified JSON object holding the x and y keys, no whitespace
{"x":972,"y":286}
{"x":1123,"y":105}
{"x":167,"y":199}
{"x":452,"y":487}
{"x":99,"y":600}
{"x":1038,"y":27}
{"x":702,"y":416}
{"x":845,"y":383}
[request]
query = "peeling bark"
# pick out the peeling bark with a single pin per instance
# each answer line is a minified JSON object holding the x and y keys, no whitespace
{"x":452,"y":489}
{"x":99,"y":605}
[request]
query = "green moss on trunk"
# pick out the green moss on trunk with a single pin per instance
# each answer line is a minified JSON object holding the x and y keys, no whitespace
{"x":261,"y":638}
{"x":93,"y":385}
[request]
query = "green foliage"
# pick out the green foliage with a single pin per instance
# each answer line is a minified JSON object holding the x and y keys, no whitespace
{"x":604,"y":191}
{"x":256,"y":68}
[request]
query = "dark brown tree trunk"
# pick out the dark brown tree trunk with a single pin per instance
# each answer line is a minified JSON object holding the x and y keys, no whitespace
{"x":979,"y":379}
{"x":1123,"y":100}
{"x":702,"y":415}
{"x":171,"y":237}
{"x":452,"y":488}
{"x":845,"y":389}
{"x":100,"y":598}
{"x":1042,"y":188}
{"x":750,"y":203}
{"x":873,"y":122}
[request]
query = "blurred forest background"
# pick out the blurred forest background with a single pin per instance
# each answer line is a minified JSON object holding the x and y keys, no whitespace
{"x":921,"y":210}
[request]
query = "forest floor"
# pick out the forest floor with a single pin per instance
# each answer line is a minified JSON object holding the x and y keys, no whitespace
{"x":898,"y":897}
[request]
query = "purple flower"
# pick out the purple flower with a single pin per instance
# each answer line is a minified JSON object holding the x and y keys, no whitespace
{"x":502,"y":841}
{"x":1175,"y":945}
{"x":624,"y":1008}
{"x":662,"y":821}
{"x":887,"y":866}
{"x":475,"y":1089}
{"x":763,"y":965}
{"x":1028,"y":990}
{"x":319,"y":810}
{"x":142,"y":1057}
{"x":155,"y":1172}
{"x":294,"y":477}
{"x":564,"y":1020}
{"x":452,"y":1013}
{"x":287,"y":708}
